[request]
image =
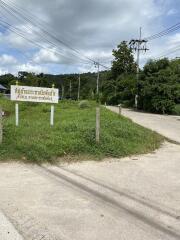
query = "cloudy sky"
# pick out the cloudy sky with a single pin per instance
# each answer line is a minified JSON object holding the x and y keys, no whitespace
{"x":61,"y":36}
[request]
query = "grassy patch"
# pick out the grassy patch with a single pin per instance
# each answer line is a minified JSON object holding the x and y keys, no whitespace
{"x":73,"y":133}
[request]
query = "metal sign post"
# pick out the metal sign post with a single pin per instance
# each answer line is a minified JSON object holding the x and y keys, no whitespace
{"x":52,"y":116}
{"x":17,"y":114}
{"x":17,"y":110}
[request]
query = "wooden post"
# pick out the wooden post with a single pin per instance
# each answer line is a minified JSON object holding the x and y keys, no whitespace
{"x":97,"y":124}
{"x":1,"y":127}
{"x":17,"y":110}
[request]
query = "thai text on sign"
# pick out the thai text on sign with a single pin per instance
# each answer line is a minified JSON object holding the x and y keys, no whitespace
{"x":34,"y":94}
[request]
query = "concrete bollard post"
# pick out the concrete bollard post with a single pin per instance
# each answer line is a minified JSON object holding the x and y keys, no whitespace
{"x":120,"y":109}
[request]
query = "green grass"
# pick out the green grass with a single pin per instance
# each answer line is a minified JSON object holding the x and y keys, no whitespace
{"x":72,"y":135}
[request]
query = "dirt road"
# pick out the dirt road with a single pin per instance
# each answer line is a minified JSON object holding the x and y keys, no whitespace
{"x":130,"y":198}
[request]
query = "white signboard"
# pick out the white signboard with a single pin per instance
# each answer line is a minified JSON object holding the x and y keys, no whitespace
{"x":34,"y":94}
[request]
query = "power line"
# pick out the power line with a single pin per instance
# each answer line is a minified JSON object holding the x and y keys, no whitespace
{"x":18,"y":32}
{"x":43,"y":37}
{"x":169,"y":52}
{"x":164,"y":32}
{"x":19,"y":12}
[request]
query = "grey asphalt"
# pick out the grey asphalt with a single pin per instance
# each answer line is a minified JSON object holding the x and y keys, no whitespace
{"x":135,"y":198}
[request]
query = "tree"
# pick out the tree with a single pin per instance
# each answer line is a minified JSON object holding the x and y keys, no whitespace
{"x":122,"y":76}
{"x":7,"y":80}
{"x":124,"y":60}
{"x":160,"y":86}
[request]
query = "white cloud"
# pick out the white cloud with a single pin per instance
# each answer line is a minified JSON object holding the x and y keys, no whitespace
{"x":46,"y":56}
{"x":172,"y":12}
{"x":174,"y":39}
{"x":3,"y":71}
{"x":30,"y":68}
{"x":7,"y":60}
{"x":93,"y":27}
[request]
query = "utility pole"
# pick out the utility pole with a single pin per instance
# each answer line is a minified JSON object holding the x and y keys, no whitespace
{"x":98,"y":107}
{"x":138,"y":45}
{"x":79,"y":86}
{"x":97,"y":85}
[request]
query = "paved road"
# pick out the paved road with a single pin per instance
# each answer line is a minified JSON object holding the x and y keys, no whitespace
{"x":167,"y":125}
{"x":7,"y":230}
{"x":130,"y":198}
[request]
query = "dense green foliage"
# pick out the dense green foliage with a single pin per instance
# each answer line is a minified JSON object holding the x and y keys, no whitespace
{"x":158,"y":86}
{"x":120,"y":84}
{"x":123,"y":61}
{"x":72,"y":134}
{"x":176,"y":110}
{"x":63,"y":82}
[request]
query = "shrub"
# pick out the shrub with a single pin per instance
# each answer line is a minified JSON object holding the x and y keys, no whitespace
{"x":176,"y":110}
{"x":84,"y":104}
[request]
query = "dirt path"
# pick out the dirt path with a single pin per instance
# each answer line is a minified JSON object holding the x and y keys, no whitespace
{"x":130,"y":198}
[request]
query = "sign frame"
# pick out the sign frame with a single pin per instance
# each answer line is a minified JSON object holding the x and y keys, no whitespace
{"x":36,"y":95}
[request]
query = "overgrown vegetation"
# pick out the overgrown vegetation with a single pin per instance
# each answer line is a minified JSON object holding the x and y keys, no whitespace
{"x":176,"y":110}
{"x":73,"y":133}
{"x":158,"y":86}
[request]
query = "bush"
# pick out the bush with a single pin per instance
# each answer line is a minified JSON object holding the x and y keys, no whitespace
{"x":176,"y":110}
{"x":84,"y":104}
{"x":163,"y":105}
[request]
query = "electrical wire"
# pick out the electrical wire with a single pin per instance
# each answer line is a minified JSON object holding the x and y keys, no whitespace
{"x":40,"y":35}
{"x":21,"y":34}
{"x":169,"y":52}
{"x":164,"y":32}
{"x":18,"y":12}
